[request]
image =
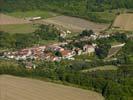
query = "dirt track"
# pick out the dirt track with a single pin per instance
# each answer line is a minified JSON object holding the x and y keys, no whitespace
{"x":5,"y":19}
{"x":124,"y":22}
{"x":15,"y":88}
{"x":74,"y":24}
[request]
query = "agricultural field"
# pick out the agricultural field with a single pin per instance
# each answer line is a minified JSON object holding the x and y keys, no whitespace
{"x":5,"y":20}
{"x":43,"y":14}
{"x":124,"y":22}
{"x":15,"y":25}
{"x":16,"y":22}
{"x":114,"y":50}
{"x":15,"y":88}
{"x":107,"y":67}
{"x":18,"y":28}
{"x":74,"y":24}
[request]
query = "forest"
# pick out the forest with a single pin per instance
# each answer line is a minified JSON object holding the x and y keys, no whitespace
{"x":80,"y":5}
{"x":78,"y":8}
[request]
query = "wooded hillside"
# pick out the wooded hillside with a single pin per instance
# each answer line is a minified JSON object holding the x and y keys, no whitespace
{"x":88,"y":9}
{"x":67,"y":5}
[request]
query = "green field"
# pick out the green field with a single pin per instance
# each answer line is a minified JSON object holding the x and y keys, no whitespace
{"x":25,"y":28}
{"x":43,"y":14}
{"x":18,"y":28}
{"x":103,"y":17}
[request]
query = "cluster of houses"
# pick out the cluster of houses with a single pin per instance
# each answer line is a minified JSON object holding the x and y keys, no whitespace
{"x":54,"y":52}
{"x":95,"y":36}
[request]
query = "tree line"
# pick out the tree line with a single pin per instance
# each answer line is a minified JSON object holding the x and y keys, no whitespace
{"x":19,"y":41}
{"x":113,"y":85}
{"x":78,"y":8}
{"x":91,"y":5}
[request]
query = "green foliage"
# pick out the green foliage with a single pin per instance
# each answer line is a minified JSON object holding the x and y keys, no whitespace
{"x":79,"y":8}
{"x":86,"y":33}
{"x":128,"y":48}
{"x":47,"y":32}
{"x":105,"y":44}
{"x":102,"y":50}
{"x":114,"y":85}
{"x":19,"y":28}
{"x":57,"y":53}
{"x":126,"y":54}
{"x":120,"y":37}
{"x":67,"y":5}
{"x":18,"y":41}
{"x":24,"y":40}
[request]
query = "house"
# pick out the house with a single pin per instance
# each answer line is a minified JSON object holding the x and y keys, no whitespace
{"x":88,"y":49}
{"x":30,"y":65}
{"x":55,"y":48}
{"x":68,"y":32}
{"x":36,"y":53}
{"x":23,"y":54}
{"x":93,"y":37}
{"x":67,"y":54}
{"x":63,"y":34}
{"x":54,"y":58}
{"x":10,"y":55}
{"x":48,"y":56}
{"x":42,"y":48}
{"x":78,"y":51}
{"x":35,"y":18}
{"x":94,"y":45}
{"x":103,"y":36}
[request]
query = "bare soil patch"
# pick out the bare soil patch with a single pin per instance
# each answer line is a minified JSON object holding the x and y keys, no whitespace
{"x":101,"y":68}
{"x":5,"y":19}
{"x":15,"y":88}
{"x":74,"y":24}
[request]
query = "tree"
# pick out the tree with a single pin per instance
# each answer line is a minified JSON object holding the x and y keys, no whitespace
{"x":87,"y":33}
{"x":57,"y":53}
{"x":102,"y":50}
{"x":47,"y":32}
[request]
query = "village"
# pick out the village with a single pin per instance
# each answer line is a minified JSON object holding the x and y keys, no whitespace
{"x":62,"y":50}
{"x":66,"y":49}
{"x":53,"y":52}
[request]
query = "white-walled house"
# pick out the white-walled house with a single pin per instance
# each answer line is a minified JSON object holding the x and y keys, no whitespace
{"x":88,"y":49}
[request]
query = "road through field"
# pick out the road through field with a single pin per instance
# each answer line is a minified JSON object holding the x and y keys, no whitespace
{"x":15,"y":88}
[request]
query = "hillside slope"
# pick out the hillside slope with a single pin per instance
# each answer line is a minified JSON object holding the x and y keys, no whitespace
{"x":4,"y":20}
{"x":91,"y":5}
{"x":79,"y":8}
{"x":15,"y":88}
{"x":124,"y":22}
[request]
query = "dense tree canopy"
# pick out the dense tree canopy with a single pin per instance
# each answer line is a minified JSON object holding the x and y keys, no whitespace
{"x":74,"y":5}
{"x":88,"y":9}
{"x":18,"y":41}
